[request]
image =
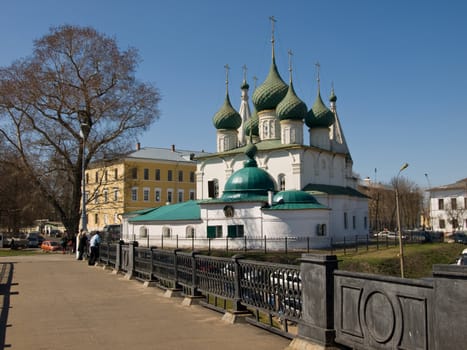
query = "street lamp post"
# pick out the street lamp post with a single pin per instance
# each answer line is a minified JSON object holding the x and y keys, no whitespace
{"x":401,"y":246}
{"x":83,"y":134}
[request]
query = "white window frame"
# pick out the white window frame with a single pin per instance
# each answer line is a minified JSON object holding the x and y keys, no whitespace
{"x":146,"y":194}
{"x":134,"y":194}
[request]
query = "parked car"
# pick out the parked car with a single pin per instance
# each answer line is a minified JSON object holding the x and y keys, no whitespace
{"x":40,"y":239}
{"x":33,"y":242}
{"x":394,"y":235}
{"x":17,"y":240}
{"x":287,"y":282}
{"x":460,"y":237}
{"x":384,"y":233}
{"x":33,"y":239}
{"x":50,"y":246}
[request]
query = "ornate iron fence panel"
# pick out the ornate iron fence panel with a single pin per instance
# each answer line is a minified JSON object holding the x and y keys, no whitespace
{"x":216,"y":276}
{"x":274,"y":288}
{"x":112,"y":254}
{"x":125,"y":258}
{"x":185,"y":270}
{"x":164,"y":267}
{"x":104,"y":253}
{"x":143,"y":263}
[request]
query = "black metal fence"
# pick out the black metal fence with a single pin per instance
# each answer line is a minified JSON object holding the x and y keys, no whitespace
{"x":312,"y":302}
{"x":271,"y":292}
{"x":267,"y":244}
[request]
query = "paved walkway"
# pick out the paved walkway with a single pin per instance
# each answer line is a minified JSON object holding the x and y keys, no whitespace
{"x":52,"y":301}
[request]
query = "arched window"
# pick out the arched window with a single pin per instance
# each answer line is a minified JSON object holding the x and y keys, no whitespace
{"x":281,"y":182}
{"x":190,"y":232}
{"x":143,"y":232}
{"x":213,"y":188}
{"x":167,"y":232}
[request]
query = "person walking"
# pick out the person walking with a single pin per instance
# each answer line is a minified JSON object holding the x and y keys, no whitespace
{"x":94,"y":243}
{"x":64,"y":242}
{"x":82,"y":244}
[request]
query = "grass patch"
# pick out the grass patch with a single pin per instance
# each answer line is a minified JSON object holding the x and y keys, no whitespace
{"x":419,"y":258}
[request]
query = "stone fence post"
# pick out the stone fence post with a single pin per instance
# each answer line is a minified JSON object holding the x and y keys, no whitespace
{"x":317,"y":328}
{"x":131,"y":259}
{"x":450,"y":306}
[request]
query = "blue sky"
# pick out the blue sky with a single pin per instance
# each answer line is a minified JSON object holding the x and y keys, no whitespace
{"x":399,"y":67}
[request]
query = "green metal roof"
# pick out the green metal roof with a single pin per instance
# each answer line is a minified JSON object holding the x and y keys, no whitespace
{"x":139,"y":212}
{"x":174,"y":212}
{"x":294,"y":196}
{"x":249,"y":198}
{"x":227,"y":117}
{"x":333,"y":190}
{"x":296,"y":206}
{"x":295,"y":200}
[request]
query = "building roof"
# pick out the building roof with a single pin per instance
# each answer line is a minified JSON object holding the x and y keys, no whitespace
{"x":264,"y":145}
{"x":333,"y":190}
{"x":461,"y":184}
{"x":167,"y":154}
{"x":175,"y":212}
{"x":295,"y":200}
{"x":138,"y":212}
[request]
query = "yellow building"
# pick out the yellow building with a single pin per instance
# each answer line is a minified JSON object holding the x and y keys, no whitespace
{"x":145,"y":178}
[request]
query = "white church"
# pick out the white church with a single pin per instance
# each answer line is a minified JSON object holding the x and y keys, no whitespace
{"x":266,"y":180}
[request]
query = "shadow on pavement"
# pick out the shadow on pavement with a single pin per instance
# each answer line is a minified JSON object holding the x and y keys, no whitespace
{"x":6,"y":277}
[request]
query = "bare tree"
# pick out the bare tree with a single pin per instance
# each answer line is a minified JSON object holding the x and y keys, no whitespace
{"x":74,"y":99}
{"x":411,"y":202}
{"x":455,"y":216}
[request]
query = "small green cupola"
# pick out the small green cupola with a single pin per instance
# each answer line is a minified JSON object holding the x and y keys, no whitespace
{"x":333,"y":97}
{"x":291,"y":107}
{"x":227,"y":117}
{"x":319,"y":116}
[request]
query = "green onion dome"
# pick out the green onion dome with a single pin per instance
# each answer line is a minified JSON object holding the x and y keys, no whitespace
{"x":227,"y":117}
{"x":294,"y":196}
{"x":271,"y":92}
{"x":244,"y":85}
{"x":291,"y":107}
{"x":252,"y":125}
{"x":319,"y":116}
{"x":250,"y":181}
{"x":333,"y":97}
